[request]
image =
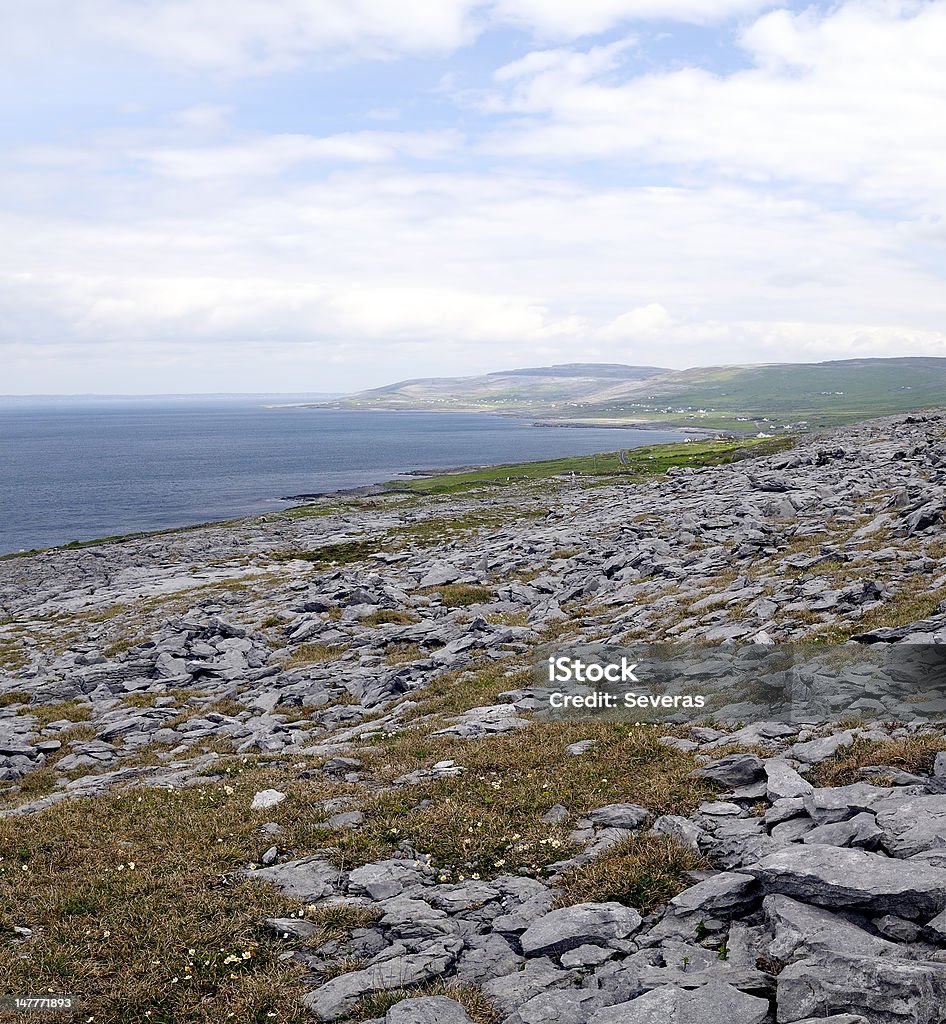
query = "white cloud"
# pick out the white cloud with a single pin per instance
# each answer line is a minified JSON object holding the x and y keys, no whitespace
{"x":389,"y":273}
{"x":846,"y":100}
{"x":568,"y":19}
{"x":274,"y":154}
{"x":258,"y":36}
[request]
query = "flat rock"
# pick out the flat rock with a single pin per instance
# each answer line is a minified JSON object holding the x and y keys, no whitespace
{"x":713,"y":1003}
{"x":583,"y":924}
{"x":883,"y":990}
{"x":782,"y":782}
{"x":725,"y":893}
{"x":628,"y":816}
{"x":813,"y":751}
{"x":799,"y":930}
{"x":427,"y":1010}
{"x":911,"y":826}
{"x":310,"y":879}
{"x":336,"y":998}
{"x":385,"y":878}
{"x":732,"y":771}
{"x":854,"y":879}
{"x":267,"y":798}
{"x":513,"y":990}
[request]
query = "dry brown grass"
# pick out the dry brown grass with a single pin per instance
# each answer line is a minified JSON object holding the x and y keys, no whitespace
{"x":73,"y":710}
{"x":478,"y":1007}
{"x":487,"y":821}
{"x":135,"y":904}
{"x":643,"y":871}
{"x":462,"y":595}
{"x":913,"y":754}
{"x":312,"y":654}
{"x":387,"y":616}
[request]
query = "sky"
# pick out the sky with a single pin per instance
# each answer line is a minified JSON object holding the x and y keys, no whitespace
{"x":326,"y":195}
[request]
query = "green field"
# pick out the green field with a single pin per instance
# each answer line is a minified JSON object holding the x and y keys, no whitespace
{"x":637,"y":464}
{"x":819,"y":394}
{"x":770,"y":397}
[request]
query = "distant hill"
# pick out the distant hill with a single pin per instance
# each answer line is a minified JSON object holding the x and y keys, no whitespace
{"x":540,"y":386}
{"x":750,"y":398}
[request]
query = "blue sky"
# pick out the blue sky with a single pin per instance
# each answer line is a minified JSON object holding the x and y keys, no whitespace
{"x":319,"y":195}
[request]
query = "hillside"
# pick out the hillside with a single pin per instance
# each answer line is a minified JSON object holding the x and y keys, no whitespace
{"x":768,"y":397}
{"x":301,"y":767}
{"x":537,"y":389}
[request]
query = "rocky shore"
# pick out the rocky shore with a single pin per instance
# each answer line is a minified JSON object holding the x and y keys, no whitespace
{"x":812,"y":878}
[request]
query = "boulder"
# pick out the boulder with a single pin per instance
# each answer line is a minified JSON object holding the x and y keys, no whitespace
{"x":427,"y":1010}
{"x":853,"y":879}
{"x":713,"y":1003}
{"x":584,"y":924}
{"x":726,"y":893}
{"x":885,"y":991}
{"x":309,"y":879}
{"x":913,"y":825}
{"x":732,"y":771}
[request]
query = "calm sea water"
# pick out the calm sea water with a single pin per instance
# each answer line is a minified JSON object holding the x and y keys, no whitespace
{"x":81,"y":469}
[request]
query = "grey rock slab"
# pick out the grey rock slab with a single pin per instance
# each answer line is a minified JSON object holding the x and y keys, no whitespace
{"x":513,"y":990}
{"x":913,"y":825}
{"x":896,"y":928}
{"x":817,"y":750}
{"x":853,"y":879}
{"x":732,"y":771}
{"x":837,"y":803}
{"x":267,"y":798}
{"x":486,"y":956}
{"x":344,"y":819}
{"x":583,"y":924}
{"x":628,"y":816}
{"x":519,"y":918}
{"x":684,"y":831}
{"x":586,"y":956}
{"x":292,"y":927}
{"x":936,"y":928}
{"x":836,"y":1018}
{"x":555,"y":814}
{"x":713,"y":1003}
{"x":427,"y":1010}
{"x":385,"y":879}
{"x":861,"y":830}
{"x":337,"y":997}
{"x":884,"y":991}
{"x":782,"y":782}
{"x":800,"y":930}
{"x":557,"y":1007}
{"x":310,"y":879}
{"x":725,"y":893}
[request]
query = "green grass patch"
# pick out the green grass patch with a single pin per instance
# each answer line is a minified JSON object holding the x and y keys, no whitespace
{"x":487,"y":821}
{"x":643,"y":871}
{"x":628,"y":465}
{"x":462,"y":595}
{"x":312,"y":654}
{"x":331,"y":554}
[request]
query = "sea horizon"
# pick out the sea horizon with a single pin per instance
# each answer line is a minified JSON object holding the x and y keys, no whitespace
{"x":82,"y":470}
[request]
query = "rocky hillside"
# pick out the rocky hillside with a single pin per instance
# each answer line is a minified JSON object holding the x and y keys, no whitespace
{"x":289,"y":769}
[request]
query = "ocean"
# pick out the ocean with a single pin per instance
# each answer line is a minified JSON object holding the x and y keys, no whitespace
{"x":79,"y":469}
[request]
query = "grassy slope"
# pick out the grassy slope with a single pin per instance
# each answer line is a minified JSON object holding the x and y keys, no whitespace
{"x":824,"y":394}
{"x":638,"y":463}
{"x":784,"y":393}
